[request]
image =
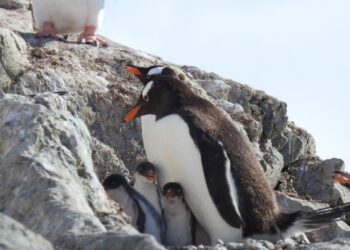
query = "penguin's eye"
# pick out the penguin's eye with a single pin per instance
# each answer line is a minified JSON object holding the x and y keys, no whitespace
{"x":145,"y":98}
{"x":148,"y":76}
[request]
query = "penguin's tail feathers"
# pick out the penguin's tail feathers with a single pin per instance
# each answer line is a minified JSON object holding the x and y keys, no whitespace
{"x":289,"y":224}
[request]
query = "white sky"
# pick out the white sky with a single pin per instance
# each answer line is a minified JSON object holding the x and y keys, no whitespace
{"x":295,"y":50}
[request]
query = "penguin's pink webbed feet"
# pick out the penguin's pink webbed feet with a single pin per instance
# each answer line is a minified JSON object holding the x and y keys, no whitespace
{"x":89,"y":37}
{"x":48,"y":30}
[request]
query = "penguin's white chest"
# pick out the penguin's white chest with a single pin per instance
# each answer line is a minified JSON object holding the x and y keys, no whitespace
{"x":170,"y":147}
{"x":68,"y":16}
{"x":178,"y":227}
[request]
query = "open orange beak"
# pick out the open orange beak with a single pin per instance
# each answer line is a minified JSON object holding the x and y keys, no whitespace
{"x":132,"y":114}
{"x":135,"y":71}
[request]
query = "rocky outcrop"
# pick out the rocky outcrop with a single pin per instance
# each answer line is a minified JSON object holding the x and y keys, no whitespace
{"x":47,"y":176}
{"x":61,"y":133}
{"x":14,"y":236}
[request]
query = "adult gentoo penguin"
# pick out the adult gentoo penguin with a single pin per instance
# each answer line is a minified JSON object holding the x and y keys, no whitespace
{"x":65,"y":17}
{"x":178,"y":217}
{"x":144,"y":216}
{"x":149,"y":133}
{"x":224,"y":184}
{"x":145,"y":183}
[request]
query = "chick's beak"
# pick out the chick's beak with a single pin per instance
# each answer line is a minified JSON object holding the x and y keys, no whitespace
{"x":150,"y":176}
{"x":169,"y":194}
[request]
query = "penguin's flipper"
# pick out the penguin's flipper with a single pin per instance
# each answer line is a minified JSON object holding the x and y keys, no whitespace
{"x":140,"y":218}
{"x":214,"y":163}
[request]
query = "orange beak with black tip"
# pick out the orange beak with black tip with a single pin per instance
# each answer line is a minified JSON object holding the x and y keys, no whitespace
{"x":132,"y":114}
{"x":134,"y":70}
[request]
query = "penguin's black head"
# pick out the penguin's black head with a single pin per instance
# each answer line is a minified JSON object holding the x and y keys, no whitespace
{"x":147,"y":74}
{"x":114,"y":181}
{"x":147,"y":170}
{"x":172,"y":189}
{"x":161,"y":96}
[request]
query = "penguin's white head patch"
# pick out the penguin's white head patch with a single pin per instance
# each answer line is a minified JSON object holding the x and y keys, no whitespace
{"x":146,"y":90}
{"x":155,"y":71}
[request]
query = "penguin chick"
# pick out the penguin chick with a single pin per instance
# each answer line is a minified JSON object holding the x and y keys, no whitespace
{"x":64,"y":17}
{"x":145,"y":183}
{"x":144,"y":216}
{"x":342,"y":178}
{"x":178,"y":218}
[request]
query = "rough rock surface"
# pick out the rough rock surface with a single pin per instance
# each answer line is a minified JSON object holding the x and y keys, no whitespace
{"x":14,"y":236}
{"x":55,"y":148}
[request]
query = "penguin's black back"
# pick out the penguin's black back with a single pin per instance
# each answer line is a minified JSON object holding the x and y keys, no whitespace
{"x":208,"y":126}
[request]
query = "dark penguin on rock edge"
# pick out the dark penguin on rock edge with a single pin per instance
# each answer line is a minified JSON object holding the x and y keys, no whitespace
{"x":193,"y":143}
{"x":144,"y":216}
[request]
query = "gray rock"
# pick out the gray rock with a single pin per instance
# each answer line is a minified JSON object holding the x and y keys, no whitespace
{"x":293,"y":143}
{"x":335,"y":230}
{"x":272,"y":162}
{"x":337,"y":244}
{"x":13,"y":61}
{"x":105,"y":161}
{"x":14,"y":236}
{"x":14,"y":4}
{"x":217,"y":89}
{"x":251,"y":244}
{"x":271,"y":112}
{"x":312,"y":178}
{"x":289,"y":204}
{"x":229,"y":107}
{"x":23,"y":20}
{"x":47,"y":181}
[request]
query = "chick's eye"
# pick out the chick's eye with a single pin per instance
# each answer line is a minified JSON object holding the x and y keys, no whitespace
{"x":146,"y":98}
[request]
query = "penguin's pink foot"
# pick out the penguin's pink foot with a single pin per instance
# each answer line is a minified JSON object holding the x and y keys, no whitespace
{"x":89,"y":37}
{"x":48,"y":30}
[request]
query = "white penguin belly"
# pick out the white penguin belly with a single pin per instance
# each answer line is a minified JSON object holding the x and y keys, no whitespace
{"x":178,"y":228}
{"x":152,"y":143}
{"x":172,"y":149}
{"x":68,"y":16}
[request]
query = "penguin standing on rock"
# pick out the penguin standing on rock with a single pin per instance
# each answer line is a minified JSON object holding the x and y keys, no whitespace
{"x":145,"y":183}
{"x":53,"y":17}
{"x":196,"y":145}
{"x":144,"y":216}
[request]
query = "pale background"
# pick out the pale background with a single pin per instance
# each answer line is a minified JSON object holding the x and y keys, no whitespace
{"x":295,"y":50}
